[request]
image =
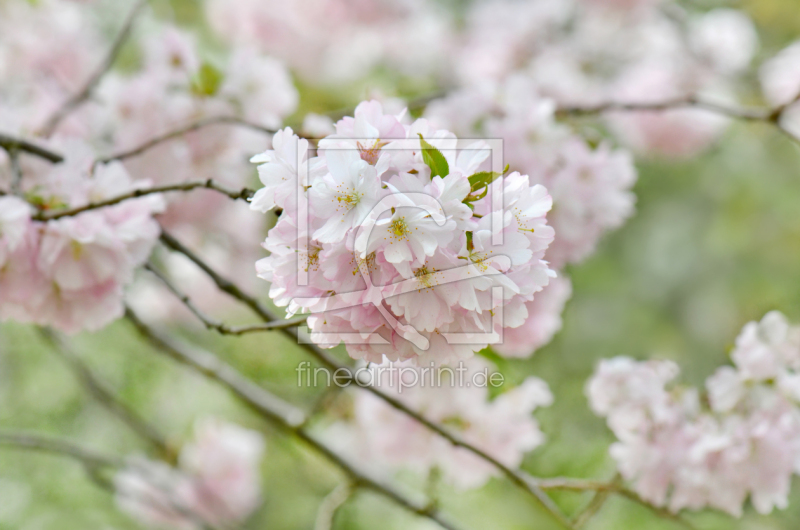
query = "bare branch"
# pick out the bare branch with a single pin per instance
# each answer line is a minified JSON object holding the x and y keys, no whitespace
{"x":92,"y":461}
{"x":10,"y":143}
{"x":577,"y":485}
{"x":83,"y":94}
{"x":210,"y":184}
{"x":278,"y":412}
{"x":229,"y":287}
{"x":104,"y":396}
{"x":223,"y":284}
{"x":211,"y":323}
{"x":595,"y":504}
{"x":769,"y":116}
{"x":180,"y":131}
{"x":47,"y":444}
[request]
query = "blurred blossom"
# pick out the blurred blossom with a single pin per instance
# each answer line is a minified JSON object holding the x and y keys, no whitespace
{"x":216,"y":485}
{"x":590,"y":187}
{"x":335,"y":41}
{"x":780,"y":81}
{"x":387,"y":439}
{"x":47,"y":50}
{"x":672,"y":133}
{"x":725,"y":38}
{"x":70,"y":272}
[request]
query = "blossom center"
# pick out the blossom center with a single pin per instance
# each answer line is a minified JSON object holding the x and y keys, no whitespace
{"x":425,"y":276}
{"x":370,"y":155}
{"x":399,"y":227}
{"x":351,"y":199}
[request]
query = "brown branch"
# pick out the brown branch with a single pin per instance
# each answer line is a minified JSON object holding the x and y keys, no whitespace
{"x":229,"y":287}
{"x":83,"y":94}
{"x":211,"y":323}
{"x":223,"y":284}
{"x":16,"y":171}
{"x":180,"y":131}
{"x":210,"y":184}
{"x":769,"y":116}
{"x":10,"y":143}
{"x":278,"y":412}
{"x":102,"y":394}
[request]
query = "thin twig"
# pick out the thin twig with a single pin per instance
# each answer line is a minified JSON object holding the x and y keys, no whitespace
{"x":272,"y":408}
{"x":578,"y":485}
{"x":210,"y":184}
{"x":104,"y":396}
{"x":326,"y":514}
{"x":229,"y":287}
{"x":47,"y":444}
{"x":185,"y":129}
{"x":222,"y":283}
{"x":10,"y":143}
{"x":16,"y":171}
{"x":93,"y":462}
{"x":598,"y":500}
{"x":211,"y":323}
{"x":594,"y":505}
{"x":769,"y":116}
{"x":88,"y":87}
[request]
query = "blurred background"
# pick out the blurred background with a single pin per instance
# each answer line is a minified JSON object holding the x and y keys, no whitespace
{"x":714,"y":243}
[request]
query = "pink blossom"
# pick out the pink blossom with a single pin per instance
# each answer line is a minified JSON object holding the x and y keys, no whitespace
{"x":432,"y":228}
{"x":217,"y":483}
{"x":503,"y":427}
{"x":543,"y":320}
{"x":679,"y":455}
{"x":780,"y":82}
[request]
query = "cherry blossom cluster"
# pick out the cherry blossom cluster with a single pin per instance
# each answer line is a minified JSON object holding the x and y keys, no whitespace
{"x":685,"y":449}
{"x":70,"y":272}
{"x":389,"y":440}
{"x":590,"y":187}
{"x":335,"y":42}
{"x":173,"y":85}
{"x":401,"y":207}
{"x":574,"y":51}
{"x":216,"y":484}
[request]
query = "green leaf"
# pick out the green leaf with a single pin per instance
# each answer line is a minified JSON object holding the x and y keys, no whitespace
{"x":482,"y":179}
{"x":434,"y":159}
{"x":476,"y":197}
{"x":207,"y":80}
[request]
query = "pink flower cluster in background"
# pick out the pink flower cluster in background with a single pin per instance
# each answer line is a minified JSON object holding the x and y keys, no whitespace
{"x":684,"y":449}
{"x":70,"y":272}
{"x":389,"y":440}
{"x":216,"y":484}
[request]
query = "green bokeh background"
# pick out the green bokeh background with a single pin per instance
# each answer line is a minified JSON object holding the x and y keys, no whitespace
{"x":715,"y":243}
